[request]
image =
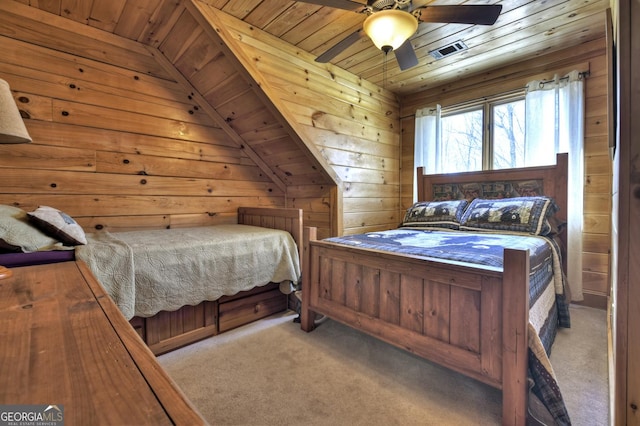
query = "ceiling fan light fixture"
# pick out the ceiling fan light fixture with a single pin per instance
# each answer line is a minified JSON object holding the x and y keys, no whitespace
{"x":389,"y":28}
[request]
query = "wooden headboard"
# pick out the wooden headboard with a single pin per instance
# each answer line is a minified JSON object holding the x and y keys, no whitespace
{"x":287,"y":219}
{"x":506,"y":183}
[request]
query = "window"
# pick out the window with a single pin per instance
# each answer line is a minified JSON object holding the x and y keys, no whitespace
{"x":461,"y":141}
{"x":507,"y":134}
{"x":482,"y":136}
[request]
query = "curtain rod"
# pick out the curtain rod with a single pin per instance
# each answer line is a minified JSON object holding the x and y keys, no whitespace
{"x":504,"y":95}
{"x":581,"y":75}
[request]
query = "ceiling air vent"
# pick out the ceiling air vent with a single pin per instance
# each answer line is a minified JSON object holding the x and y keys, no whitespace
{"x":441,"y":52}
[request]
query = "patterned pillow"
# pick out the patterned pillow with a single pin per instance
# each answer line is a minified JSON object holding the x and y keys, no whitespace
{"x":435,"y":214}
{"x":58,"y":224}
{"x":515,"y":215}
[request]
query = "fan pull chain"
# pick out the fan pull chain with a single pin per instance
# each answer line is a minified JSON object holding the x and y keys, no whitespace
{"x":384,"y":71}
{"x":385,"y":50}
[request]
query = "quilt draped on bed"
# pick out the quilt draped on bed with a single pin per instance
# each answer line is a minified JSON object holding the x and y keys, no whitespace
{"x":149,"y":271}
{"x":548,"y":307}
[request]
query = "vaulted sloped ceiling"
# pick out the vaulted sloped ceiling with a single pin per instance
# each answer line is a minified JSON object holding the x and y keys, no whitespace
{"x":352,"y":123}
{"x":190,"y":51}
{"x":196,"y":55}
{"x":309,"y":123}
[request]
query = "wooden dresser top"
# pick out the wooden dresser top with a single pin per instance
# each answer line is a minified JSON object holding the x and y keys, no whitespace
{"x":65,"y":343}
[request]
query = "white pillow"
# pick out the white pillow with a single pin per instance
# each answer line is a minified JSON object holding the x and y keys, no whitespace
{"x":58,"y":224}
{"x":16,"y":230}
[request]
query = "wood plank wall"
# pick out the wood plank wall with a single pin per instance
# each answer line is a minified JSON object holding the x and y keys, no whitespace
{"x":118,"y":143}
{"x":137,"y":111}
{"x":625,"y":306}
{"x":351,"y":122}
{"x":598,"y":167}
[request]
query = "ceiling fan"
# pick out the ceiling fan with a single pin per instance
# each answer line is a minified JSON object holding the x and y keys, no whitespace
{"x":390,"y":23}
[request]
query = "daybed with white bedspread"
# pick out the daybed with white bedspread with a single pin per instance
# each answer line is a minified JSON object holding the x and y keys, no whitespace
{"x":180,"y":285}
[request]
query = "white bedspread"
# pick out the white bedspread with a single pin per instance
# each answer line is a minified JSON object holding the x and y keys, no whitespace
{"x":149,"y":271}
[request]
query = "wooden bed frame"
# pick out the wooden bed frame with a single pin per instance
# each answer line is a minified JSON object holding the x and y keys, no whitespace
{"x":166,"y":331}
{"x":459,"y":316}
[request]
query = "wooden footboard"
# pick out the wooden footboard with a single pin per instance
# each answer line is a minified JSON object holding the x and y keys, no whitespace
{"x":461,"y":317}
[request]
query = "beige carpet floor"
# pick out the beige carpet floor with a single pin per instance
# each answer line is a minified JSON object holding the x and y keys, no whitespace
{"x":272,"y":373}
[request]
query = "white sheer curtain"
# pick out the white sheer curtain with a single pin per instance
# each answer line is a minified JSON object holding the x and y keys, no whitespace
{"x":555,"y":122}
{"x":426,"y":144}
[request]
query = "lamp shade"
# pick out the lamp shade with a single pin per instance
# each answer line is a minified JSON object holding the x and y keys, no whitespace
{"x":12,"y":128}
{"x":389,"y":28}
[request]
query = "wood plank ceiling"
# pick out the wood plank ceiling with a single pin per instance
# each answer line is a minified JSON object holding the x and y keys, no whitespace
{"x":525,"y":29}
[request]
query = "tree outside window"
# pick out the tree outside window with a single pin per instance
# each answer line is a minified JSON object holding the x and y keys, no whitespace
{"x":465,"y":146}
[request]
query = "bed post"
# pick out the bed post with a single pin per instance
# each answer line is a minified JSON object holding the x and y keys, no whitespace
{"x":306,"y":316}
{"x":515,"y":321}
{"x":420,"y":185}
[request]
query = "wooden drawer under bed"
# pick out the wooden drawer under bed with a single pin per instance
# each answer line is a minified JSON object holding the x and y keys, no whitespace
{"x":167,"y":331}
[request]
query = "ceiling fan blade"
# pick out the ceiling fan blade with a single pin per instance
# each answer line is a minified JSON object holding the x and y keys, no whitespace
{"x":406,"y":56}
{"x":353,"y":5}
{"x":481,"y":14}
{"x":340,"y":46}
